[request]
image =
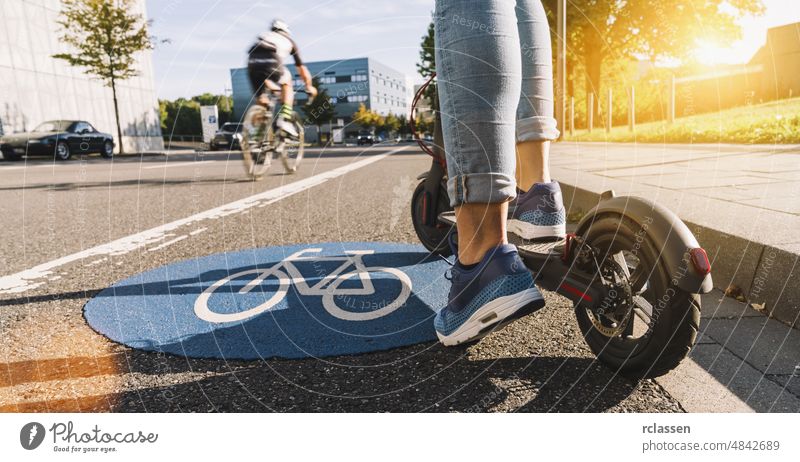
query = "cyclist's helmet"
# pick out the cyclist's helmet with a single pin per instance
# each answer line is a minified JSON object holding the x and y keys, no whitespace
{"x":279,"y":25}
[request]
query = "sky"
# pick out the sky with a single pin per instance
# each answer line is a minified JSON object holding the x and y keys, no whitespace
{"x":754,"y":34}
{"x":209,"y":37}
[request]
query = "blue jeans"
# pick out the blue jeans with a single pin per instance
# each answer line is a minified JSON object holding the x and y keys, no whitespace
{"x":495,"y":83}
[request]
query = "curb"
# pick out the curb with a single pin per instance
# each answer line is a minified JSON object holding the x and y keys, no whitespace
{"x":157,"y":153}
{"x":736,"y":262}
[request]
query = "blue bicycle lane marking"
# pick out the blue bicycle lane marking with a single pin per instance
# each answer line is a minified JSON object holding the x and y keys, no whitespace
{"x":308,"y":300}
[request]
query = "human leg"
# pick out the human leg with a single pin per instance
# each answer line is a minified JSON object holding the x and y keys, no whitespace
{"x":284,"y":121}
{"x":478,"y":68}
{"x":535,"y":123}
{"x":539,"y":213}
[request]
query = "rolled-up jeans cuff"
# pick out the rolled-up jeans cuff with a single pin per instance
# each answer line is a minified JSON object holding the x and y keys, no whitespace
{"x":481,"y":188}
{"x":536,"y":129}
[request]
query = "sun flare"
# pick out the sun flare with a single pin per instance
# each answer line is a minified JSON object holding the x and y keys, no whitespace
{"x":711,"y":53}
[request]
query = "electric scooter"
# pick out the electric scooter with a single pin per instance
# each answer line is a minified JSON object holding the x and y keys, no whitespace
{"x":632,"y":269}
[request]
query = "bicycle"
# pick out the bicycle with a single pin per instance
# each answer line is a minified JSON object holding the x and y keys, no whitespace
{"x":262,"y":141}
{"x":327,"y":287}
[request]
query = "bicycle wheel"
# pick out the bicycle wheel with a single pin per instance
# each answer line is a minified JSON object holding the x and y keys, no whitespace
{"x":292,"y":151}
{"x":383,"y":309}
{"x":229,"y":303}
{"x":257,"y":138}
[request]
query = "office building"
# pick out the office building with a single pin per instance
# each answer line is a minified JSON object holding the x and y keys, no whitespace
{"x":35,"y":87}
{"x":349,"y":82}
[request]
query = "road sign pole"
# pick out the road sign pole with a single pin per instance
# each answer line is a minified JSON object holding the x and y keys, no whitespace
{"x":561,"y":67}
{"x":632,"y":110}
{"x":571,"y":115}
{"x":671,"y":102}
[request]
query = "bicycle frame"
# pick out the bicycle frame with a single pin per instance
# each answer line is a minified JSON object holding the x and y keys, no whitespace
{"x":299,"y":281}
{"x":327,"y":287}
{"x":270,"y":142}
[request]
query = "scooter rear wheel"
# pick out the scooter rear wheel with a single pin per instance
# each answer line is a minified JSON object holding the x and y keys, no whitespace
{"x":646,"y":325}
{"x":433,"y":236}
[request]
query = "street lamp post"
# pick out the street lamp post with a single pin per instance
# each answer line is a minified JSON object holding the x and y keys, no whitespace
{"x":561,"y":67}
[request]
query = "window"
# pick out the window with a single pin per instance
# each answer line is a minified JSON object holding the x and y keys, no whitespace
{"x":82,"y":127}
{"x":342,"y":78}
{"x":327,"y":79}
{"x":358,"y":78}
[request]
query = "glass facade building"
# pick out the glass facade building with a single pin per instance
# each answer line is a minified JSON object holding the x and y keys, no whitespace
{"x":349,"y":82}
{"x":35,"y":87}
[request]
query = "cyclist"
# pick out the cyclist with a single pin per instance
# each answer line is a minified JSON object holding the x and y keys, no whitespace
{"x":267,"y":71}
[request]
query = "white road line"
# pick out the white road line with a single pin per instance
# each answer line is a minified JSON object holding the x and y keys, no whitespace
{"x":179,"y":164}
{"x":34,"y":277}
{"x":23,"y":167}
{"x":168,"y":243}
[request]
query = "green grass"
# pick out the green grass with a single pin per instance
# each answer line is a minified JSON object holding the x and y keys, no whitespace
{"x":777,"y":122}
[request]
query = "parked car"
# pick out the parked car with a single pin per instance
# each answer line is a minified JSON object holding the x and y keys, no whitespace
{"x":228,"y":137}
{"x":59,"y":139}
{"x":366,"y":139}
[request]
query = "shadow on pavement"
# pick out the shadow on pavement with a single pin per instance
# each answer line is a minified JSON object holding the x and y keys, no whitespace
{"x":427,"y":378}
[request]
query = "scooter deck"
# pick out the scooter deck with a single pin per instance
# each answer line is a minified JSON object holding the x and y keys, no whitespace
{"x":538,"y":249}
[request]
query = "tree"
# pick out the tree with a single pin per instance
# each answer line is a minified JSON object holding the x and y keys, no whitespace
{"x":391,"y":124}
{"x":320,"y":110}
{"x":427,"y":65}
{"x":182,"y":116}
{"x":106,"y":37}
{"x":224,"y":105}
{"x":404,"y":128}
{"x":604,"y":30}
{"x":424,"y":124}
{"x":367,"y":118}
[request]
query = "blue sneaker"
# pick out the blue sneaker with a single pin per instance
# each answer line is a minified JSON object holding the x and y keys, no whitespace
{"x":539,"y":213}
{"x":487,"y":297}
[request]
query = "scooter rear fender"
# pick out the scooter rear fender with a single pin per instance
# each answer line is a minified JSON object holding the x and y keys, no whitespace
{"x":666,"y":231}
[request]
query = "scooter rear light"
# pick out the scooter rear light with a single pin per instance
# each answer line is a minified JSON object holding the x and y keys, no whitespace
{"x":700,"y":260}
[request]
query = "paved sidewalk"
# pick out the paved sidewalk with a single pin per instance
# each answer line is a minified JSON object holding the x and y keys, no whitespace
{"x":742,"y":203}
{"x":742,"y":362}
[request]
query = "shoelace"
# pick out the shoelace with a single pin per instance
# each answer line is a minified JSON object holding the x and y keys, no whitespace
{"x":449,"y":273}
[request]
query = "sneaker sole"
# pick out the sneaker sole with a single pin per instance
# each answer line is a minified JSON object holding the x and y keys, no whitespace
{"x":530,"y":231}
{"x":494,"y":316}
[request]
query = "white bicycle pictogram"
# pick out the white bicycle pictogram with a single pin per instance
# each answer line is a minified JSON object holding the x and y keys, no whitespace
{"x":327,"y":287}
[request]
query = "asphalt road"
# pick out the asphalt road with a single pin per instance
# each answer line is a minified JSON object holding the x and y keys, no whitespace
{"x":51,"y":360}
